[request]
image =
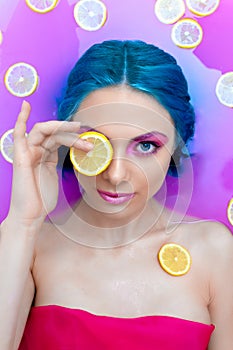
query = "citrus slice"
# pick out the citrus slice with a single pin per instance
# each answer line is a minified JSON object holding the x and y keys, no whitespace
{"x":90,"y":14}
{"x":7,"y":145}
{"x":41,"y":6}
{"x":169,"y":11}
{"x":174,"y":259}
{"x":95,"y":161}
{"x":224,"y":89}
{"x":21,"y":79}
{"x":1,"y":37}
{"x":230,"y":211}
{"x":202,"y":7}
{"x":187,"y":33}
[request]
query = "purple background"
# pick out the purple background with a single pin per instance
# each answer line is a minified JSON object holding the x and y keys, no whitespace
{"x":53,"y":42}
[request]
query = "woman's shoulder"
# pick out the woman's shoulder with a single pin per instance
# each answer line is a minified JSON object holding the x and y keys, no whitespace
{"x":212,"y":237}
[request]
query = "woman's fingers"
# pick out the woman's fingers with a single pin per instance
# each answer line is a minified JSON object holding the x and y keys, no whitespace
{"x":20,"y":125}
{"x":41,"y":130}
{"x":53,"y":142}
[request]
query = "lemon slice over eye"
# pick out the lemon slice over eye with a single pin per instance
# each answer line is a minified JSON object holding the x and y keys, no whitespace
{"x":90,"y":14}
{"x":21,"y":79}
{"x":174,"y":259}
{"x":169,"y":11}
{"x":230,"y":211}
{"x":7,"y":145}
{"x":94,"y":162}
{"x":202,"y":7}
{"x":187,"y":33}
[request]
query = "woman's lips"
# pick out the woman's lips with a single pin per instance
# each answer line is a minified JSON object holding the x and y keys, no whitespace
{"x":115,"y":198}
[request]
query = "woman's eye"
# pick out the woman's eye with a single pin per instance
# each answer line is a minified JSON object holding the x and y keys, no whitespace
{"x":146,"y":147}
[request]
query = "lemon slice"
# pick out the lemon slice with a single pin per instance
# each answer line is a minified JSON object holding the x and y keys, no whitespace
{"x":90,"y":14}
{"x":7,"y":145}
{"x":224,"y":89}
{"x":230,"y":211}
{"x":187,"y":33}
{"x":169,"y":11}
{"x":202,"y":7}
{"x":41,"y":6}
{"x":174,"y":259}
{"x":21,"y":79}
{"x":95,"y":161}
{"x":1,"y":37}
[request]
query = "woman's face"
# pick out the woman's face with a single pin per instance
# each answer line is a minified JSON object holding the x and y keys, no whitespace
{"x":142,"y":134}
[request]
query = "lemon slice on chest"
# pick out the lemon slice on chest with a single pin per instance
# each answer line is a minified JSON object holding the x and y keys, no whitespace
{"x":174,"y":259}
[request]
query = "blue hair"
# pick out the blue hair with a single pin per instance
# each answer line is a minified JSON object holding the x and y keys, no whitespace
{"x":143,"y":67}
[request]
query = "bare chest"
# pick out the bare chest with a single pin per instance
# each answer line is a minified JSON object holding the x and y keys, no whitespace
{"x":123,"y":284}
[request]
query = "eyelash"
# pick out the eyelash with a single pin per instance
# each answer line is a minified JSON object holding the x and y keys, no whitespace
{"x":154,"y":149}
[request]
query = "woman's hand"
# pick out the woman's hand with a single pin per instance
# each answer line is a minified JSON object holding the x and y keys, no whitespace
{"x":35,"y":179}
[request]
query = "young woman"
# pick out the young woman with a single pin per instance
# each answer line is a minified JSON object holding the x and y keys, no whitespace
{"x":94,"y":280}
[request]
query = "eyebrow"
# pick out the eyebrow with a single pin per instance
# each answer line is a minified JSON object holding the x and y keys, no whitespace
{"x":161,"y":137}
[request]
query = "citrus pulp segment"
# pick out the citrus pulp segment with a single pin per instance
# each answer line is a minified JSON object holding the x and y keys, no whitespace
{"x":7,"y":145}
{"x":187,"y":33}
{"x":174,"y":259}
{"x":90,"y":14}
{"x":21,"y":79}
{"x":202,"y":7}
{"x":42,"y":6}
{"x":230,"y":211}
{"x":95,"y":161}
{"x":169,"y":11}
{"x":224,"y":89}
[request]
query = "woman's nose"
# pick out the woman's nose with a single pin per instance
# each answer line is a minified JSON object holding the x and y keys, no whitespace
{"x":117,"y":171}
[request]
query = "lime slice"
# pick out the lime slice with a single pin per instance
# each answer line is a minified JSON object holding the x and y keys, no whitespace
{"x":21,"y":79}
{"x":169,"y":11}
{"x":187,"y":33}
{"x":202,"y":7}
{"x":230,"y":211}
{"x":224,"y":89}
{"x":95,"y":161}
{"x":7,"y":145}
{"x":90,"y":14}
{"x":174,"y":259}
{"x":41,"y":6}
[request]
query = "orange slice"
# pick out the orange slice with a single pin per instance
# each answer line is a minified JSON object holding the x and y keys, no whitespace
{"x":21,"y":79}
{"x":90,"y":14}
{"x":174,"y":259}
{"x":224,"y":89}
{"x":7,"y":145}
{"x":41,"y":6}
{"x":230,"y":211}
{"x":95,"y":161}
{"x":169,"y":11}
{"x":202,"y":7}
{"x":187,"y":33}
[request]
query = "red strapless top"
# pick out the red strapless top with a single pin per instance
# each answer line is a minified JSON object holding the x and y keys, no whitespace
{"x":53,"y":327}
